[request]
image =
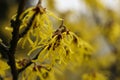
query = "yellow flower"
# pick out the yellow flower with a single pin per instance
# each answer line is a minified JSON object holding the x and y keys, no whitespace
{"x":3,"y":67}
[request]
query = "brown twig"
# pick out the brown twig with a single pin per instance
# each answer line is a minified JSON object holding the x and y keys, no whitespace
{"x":16,"y":36}
{"x":28,"y":26}
{"x":30,"y":61}
{"x":40,"y":2}
{"x":37,"y":11}
{"x":13,"y":44}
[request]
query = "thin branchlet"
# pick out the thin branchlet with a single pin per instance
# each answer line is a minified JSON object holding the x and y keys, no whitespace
{"x":28,"y":26}
{"x":61,"y":30}
{"x":38,"y":10}
{"x":30,"y":62}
